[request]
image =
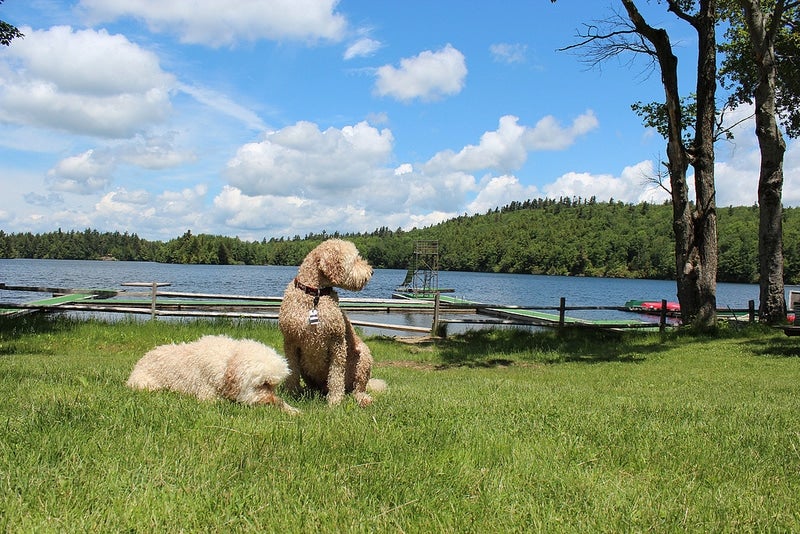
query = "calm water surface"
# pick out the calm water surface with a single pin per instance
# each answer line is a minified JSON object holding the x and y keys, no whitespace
{"x":501,"y":289}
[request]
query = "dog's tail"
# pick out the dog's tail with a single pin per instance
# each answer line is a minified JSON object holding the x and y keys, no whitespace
{"x":376,"y":385}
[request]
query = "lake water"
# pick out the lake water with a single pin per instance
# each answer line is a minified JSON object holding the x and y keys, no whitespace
{"x":501,"y":289}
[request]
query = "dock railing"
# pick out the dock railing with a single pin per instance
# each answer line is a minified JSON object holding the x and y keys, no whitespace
{"x":158,"y":303}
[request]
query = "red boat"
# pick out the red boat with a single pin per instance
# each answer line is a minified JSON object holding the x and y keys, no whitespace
{"x":652,"y":306}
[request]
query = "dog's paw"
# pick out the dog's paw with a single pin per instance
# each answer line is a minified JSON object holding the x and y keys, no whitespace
{"x":291,"y":410}
{"x":363,"y":399}
{"x":376,"y":385}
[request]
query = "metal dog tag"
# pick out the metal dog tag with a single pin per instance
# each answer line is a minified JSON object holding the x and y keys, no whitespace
{"x":313,"y":317}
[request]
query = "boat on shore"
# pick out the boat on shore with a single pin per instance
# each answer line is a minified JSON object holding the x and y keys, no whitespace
{"x":653,"y":307}
{"x":673,"y":309}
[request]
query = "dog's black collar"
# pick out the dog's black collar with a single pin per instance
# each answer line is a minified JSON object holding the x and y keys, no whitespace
{"x":313,"y":291}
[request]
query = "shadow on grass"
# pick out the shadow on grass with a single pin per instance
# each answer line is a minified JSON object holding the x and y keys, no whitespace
{"x":501,"y":347}
{"x":776,"y":346}
{"x":14,"y":328}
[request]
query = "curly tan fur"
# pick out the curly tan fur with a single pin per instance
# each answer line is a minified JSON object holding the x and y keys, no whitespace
{"x":215,"y":367}
{"x":328,"y":356}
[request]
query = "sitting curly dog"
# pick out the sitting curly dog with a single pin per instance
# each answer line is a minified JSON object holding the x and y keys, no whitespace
{"x":215,"y":367}
{"x":319,"y":342}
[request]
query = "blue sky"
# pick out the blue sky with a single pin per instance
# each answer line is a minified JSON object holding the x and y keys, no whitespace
{"x":273,"y":118}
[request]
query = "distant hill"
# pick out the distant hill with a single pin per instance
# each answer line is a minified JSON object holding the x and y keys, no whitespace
{"x":574,"y":237}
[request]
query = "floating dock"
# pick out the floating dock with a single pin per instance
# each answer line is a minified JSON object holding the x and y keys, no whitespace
{"x":530,"y":316}
{"x":151,"y":298}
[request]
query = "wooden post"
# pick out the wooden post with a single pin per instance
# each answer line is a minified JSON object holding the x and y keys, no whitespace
{"x":562,"y":311}
{"x":751,"y":306}
{"x":153,"y":302}
{"x":662,"y":322}
{"x":435,"y":323}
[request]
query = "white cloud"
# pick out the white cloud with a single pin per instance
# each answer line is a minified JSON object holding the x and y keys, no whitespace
{"x":507,"y":148}
{"x":427,"y":76}
{"x":362,"y":48}
{"x":428,"y":219}
{"x":85,"y":82}
{"x":405,"y":168}
{"x":93,"y":170}
{"x":212,"y":23}
{"x":508,"y":53}
{"x":503,"y":148}
{"x":153,"y":152}
{"x":149,"y":214}
{"x":290,"y":215}
{"x":633,"y":185}
{"x":548,"y":134}
{"x":302,"y":159}
{"x":185,"y":203}
{"x":123,"y":203}
{"x":224,"y":105}
{"x":438,"y":192}
{"x":82,"y":174}
{"x":500,"y":191}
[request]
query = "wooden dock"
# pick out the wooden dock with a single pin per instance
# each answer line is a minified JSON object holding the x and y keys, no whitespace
{"x":491,"y":314}
{"x":152,"y":299}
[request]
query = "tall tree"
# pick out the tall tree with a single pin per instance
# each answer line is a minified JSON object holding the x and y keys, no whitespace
{"x":694,"y":224}
{"x":8,"y":32}
{"x":762,"y":62}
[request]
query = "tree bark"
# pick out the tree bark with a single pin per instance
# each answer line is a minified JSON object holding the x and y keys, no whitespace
{"x":772,"y":305}
{"x":695,"y":227}
{"x":705,"y":214}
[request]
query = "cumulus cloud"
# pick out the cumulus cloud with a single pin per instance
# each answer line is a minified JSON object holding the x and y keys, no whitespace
{"x":85,"y":82}
{"x":500,"y":191}
{"x":83,"y":174}
{"x":123,"y":203}
{"x":634,"y":184}
{"x":215,"y":24}
{"x":93,"y":170}
{"x":289,"y":215}
{"x":187,"y":202}
{"x":152,"y":152}
{"x":507,"y":148}
{"x":548,"y":134}
{"x":302,"y":158}
{"x":250,"y":212}
{"x":153,"y":214}
{"x":427,"y":76}
{"x":405,"y":168}
{"x":305,"y":177}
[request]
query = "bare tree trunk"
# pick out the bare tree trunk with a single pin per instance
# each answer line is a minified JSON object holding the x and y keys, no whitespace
{"x":772,"y":308}
{"x":695,"y":230}
{"x":705,"y":215}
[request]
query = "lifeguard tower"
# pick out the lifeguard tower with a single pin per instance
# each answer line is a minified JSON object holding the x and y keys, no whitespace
{"x":422,"y":278}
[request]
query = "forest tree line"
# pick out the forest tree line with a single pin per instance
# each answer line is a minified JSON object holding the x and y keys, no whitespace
{"x":576,"y":237}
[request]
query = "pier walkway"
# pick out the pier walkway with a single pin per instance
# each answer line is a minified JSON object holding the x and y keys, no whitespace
{"x":151,"y":298}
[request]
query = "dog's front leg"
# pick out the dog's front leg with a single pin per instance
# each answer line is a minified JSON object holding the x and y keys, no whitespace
{"x":292,"y":352}
{"x":336,"y":372}
{"x":362,"y":357}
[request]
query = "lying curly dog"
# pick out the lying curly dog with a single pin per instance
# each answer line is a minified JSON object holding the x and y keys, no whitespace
{"x":319,"y":342}
{"x":215,"y":367}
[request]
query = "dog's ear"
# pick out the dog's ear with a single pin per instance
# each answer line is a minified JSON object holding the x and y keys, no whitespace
{"x":329,"y":262}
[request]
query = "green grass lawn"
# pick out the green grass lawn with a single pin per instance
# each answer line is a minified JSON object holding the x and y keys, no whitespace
{"x":494,"y":431}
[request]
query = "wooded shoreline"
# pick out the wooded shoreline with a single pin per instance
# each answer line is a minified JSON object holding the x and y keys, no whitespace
{"x":574,"y":237}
